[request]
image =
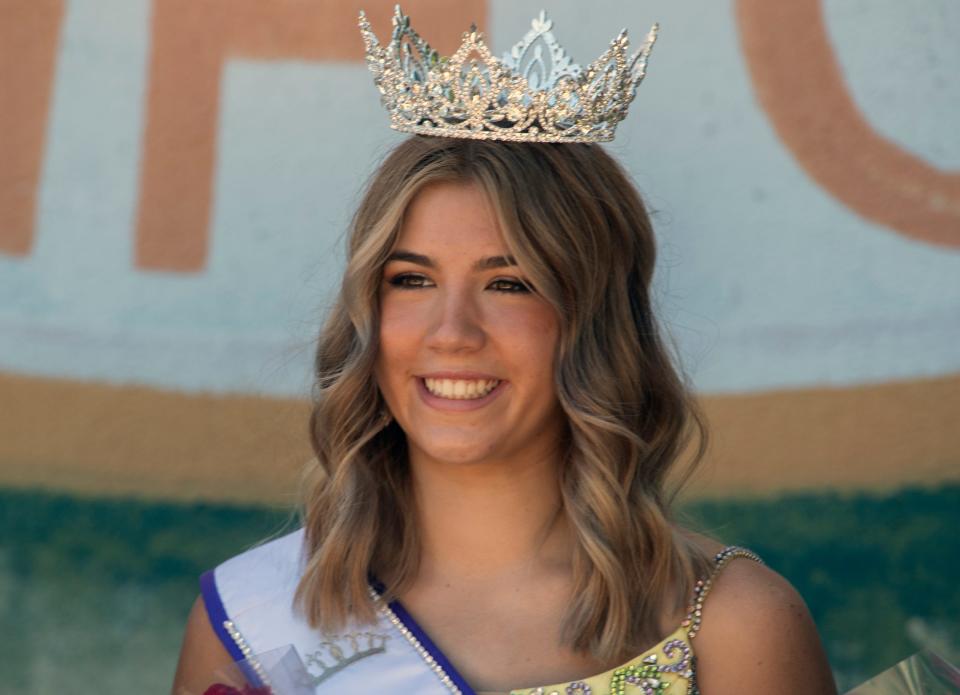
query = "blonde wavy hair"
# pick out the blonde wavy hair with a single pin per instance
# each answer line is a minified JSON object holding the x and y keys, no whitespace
{"x":579,"y":229}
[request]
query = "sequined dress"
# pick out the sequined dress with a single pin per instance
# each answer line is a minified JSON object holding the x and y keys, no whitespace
{"x":249,"y":600}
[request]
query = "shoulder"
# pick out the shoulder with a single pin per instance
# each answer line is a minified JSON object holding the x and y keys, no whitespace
{"x":201,"y":653}
{"x":260,"y":572}
{"x":280,"y":554}
{"x":757,"y":635}
{"x":235,"y":586}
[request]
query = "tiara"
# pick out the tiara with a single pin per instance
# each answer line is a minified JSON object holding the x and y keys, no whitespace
{"x":534,"y":93}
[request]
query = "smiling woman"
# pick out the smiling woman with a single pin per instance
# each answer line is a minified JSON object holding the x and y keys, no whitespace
{"x":460,"y":332}
{"x":499,"y":432}
{"x":498,"y":428}
{"x":586,"y":395}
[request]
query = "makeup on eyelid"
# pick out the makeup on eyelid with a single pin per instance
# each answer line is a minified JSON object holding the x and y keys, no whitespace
{"x":467,"y":346}
{"x":399,"y":280}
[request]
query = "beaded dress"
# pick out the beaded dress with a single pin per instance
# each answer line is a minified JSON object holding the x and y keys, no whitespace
{"x":249,"y":600}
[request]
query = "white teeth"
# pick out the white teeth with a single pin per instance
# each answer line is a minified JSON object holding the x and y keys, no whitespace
{"x":460,"y":389}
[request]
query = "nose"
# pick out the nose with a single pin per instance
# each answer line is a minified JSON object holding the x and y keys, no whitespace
{"x":457,"y":324}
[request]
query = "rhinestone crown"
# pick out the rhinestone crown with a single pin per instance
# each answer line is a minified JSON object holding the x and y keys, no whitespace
{"x":534,"y":93}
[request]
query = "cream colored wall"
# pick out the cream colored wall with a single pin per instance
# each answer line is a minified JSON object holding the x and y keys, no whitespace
{"x":176,"y":181}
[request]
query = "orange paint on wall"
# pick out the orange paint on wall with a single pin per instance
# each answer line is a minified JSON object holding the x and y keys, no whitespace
{"x":874,"y":437}
{"x":191,"y":39}
{"x":92,"y":438}
{"x":29,"y":33}
{"x":801,"y":87}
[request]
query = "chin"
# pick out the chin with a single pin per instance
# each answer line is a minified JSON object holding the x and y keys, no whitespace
{"x":458,"y":452}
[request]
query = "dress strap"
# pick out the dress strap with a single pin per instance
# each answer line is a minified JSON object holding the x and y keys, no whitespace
{"x":700,"y":591}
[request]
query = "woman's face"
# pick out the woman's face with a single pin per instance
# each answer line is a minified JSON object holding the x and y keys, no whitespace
{"x":466,"y":350}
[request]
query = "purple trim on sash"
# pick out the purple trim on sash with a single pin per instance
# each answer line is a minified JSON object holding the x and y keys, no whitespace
{"x":426,"y":642}
{"x":218,"y":614}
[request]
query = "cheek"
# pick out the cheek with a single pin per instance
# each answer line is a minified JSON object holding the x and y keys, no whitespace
{"x":532,"y":338}
{"x":397,"y":342}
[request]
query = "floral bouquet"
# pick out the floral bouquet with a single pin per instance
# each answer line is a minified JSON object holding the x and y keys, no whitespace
{"x":277,"y":672}
{"x":924,"y":673}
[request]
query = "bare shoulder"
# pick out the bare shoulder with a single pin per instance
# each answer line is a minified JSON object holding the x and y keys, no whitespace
{"x":201,"y":653}
{"x":757,"y":635}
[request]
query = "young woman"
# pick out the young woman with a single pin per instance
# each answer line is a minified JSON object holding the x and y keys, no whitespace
{"x":498,"y":430}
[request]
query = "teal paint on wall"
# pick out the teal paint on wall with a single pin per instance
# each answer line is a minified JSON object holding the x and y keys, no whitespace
{"x":878,"y":574}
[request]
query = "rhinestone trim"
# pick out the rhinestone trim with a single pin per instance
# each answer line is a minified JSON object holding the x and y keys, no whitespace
{"x":247,"y":652}
{"x":703,"y":586}
{"x":437,"y":669}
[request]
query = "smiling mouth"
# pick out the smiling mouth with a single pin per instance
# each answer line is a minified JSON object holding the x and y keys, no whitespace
{"x":460,"y":389}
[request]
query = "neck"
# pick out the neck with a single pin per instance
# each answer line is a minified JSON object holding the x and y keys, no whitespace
{"x":489,"y":519}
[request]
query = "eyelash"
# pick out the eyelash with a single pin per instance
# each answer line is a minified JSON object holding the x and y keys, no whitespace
{"x":400,"y":281}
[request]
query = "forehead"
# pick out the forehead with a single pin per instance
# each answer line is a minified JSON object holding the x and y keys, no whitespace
{"x":455,"y":218}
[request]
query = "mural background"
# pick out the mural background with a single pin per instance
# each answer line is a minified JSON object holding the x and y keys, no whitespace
{"x":175,"y":180}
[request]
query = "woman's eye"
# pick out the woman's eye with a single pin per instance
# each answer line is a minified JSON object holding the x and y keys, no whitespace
{"x":415,"y":281}
{"x":509,"y":286}
{"x":409,"y":281}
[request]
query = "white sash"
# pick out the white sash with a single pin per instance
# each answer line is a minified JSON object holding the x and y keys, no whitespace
{"x":249,"y":599}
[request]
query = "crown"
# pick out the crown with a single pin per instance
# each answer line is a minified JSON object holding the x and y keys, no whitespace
{"x":343,"y":650}
{"x":534,"y":93}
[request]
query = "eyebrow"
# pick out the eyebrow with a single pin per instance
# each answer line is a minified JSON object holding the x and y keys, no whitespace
{"x":486,"y":263}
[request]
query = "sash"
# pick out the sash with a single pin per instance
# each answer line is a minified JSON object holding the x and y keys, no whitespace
{"x":249,"y":599}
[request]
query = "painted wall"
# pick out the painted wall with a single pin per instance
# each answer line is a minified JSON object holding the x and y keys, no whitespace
{"x":175,"y":180}
{"x":176,"y":177}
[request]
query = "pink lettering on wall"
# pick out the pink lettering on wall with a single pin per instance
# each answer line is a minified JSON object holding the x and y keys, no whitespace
{"x":29,"y":33}
{"x":191,"y":40}
{"x":816,"y":118}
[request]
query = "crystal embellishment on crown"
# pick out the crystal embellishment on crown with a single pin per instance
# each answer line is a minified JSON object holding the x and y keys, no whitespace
{"x":534,"y":93}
